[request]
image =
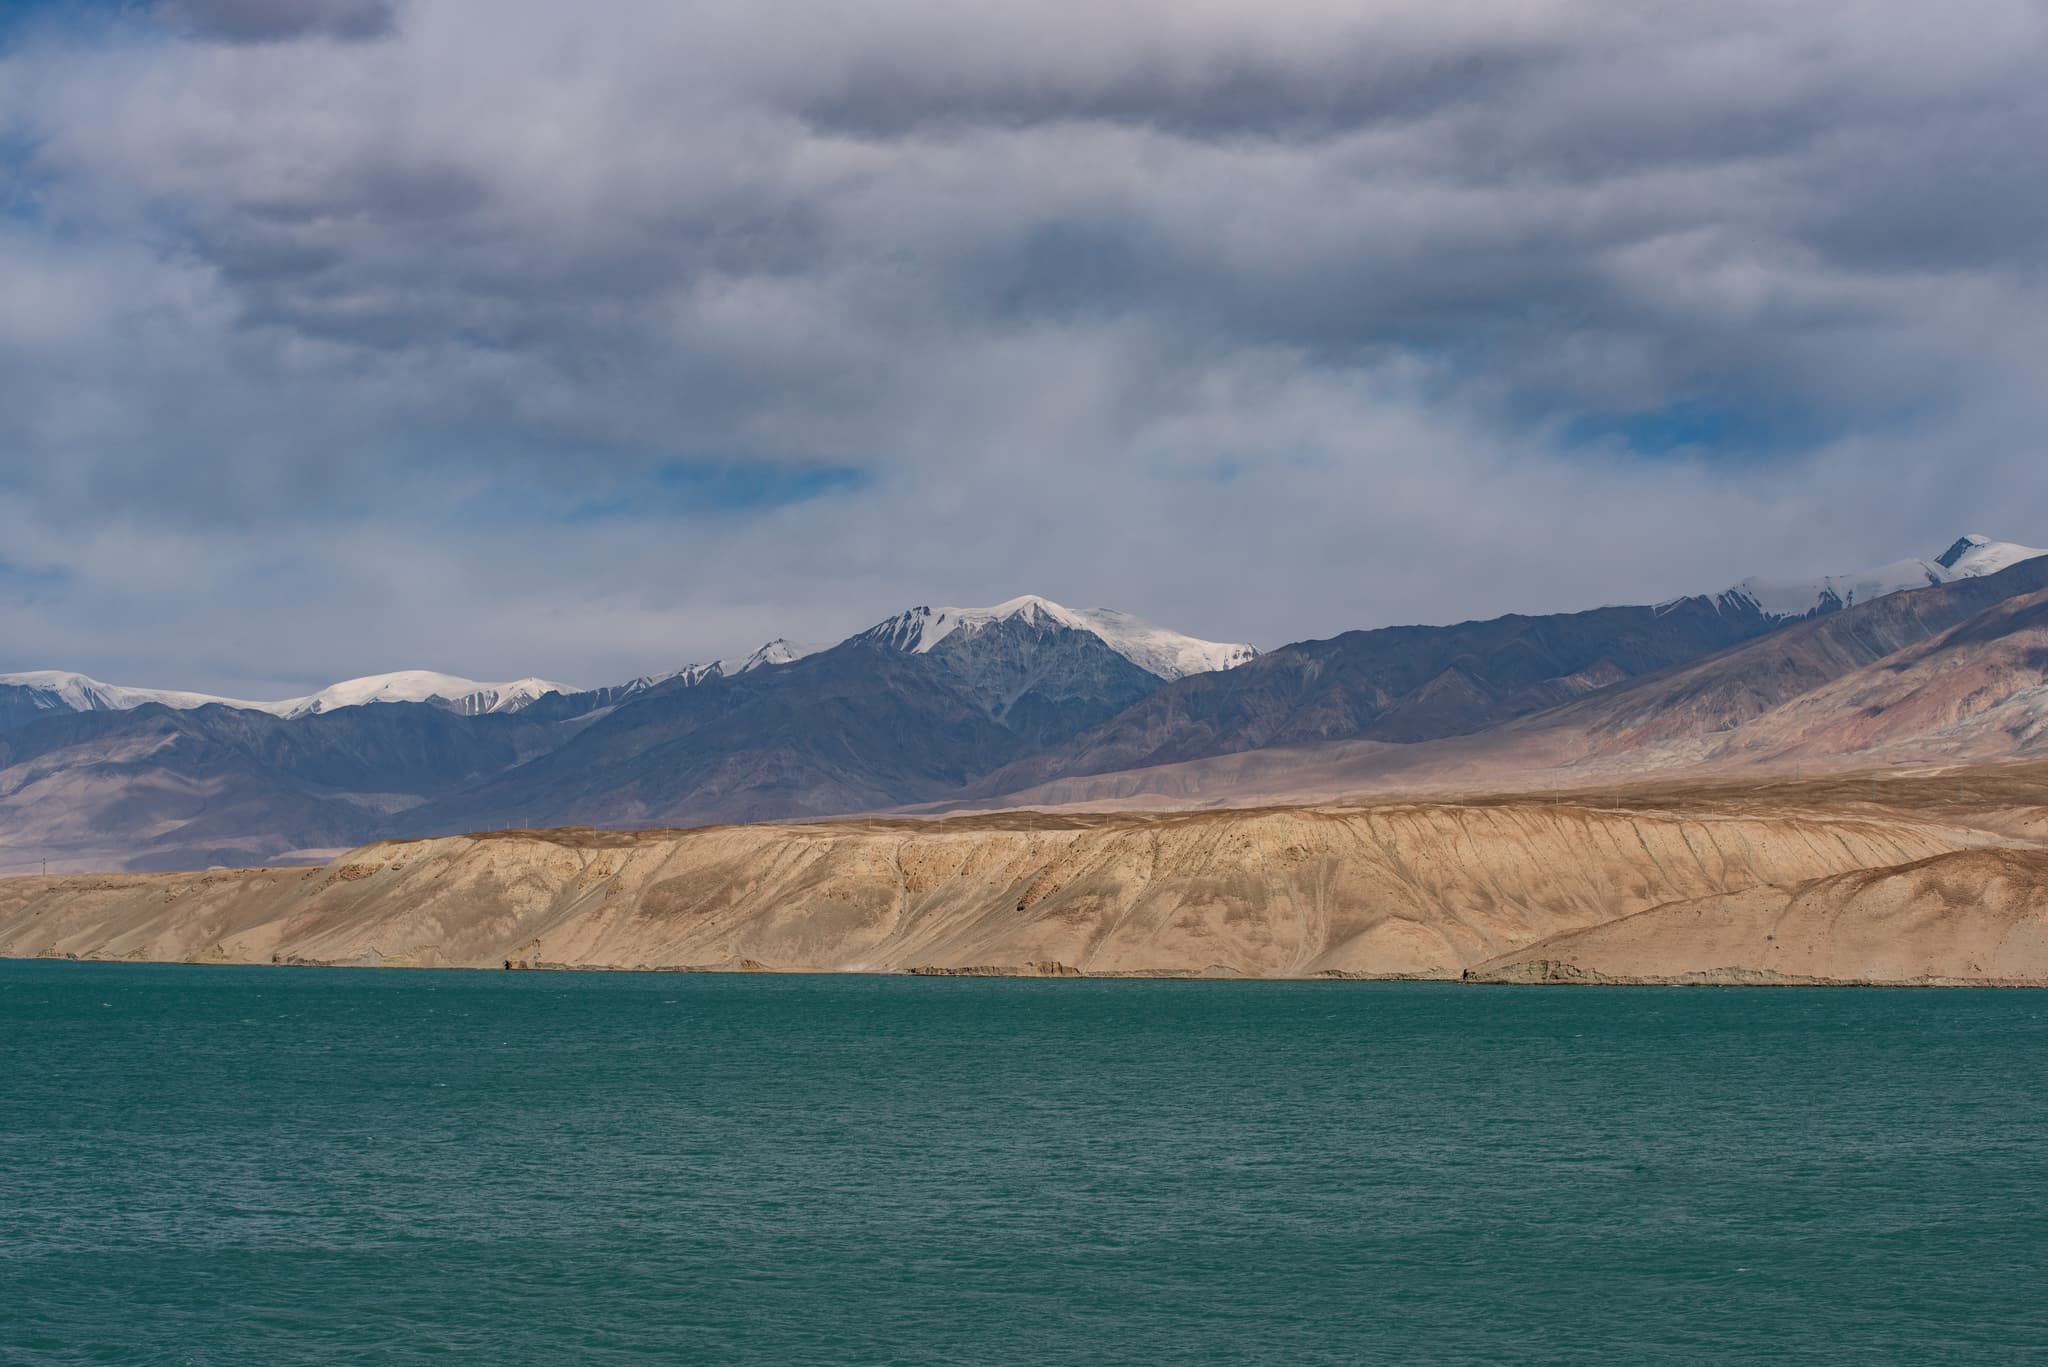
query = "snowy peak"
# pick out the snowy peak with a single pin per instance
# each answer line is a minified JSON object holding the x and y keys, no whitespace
{"x":776,"y":652}
{"x":1969,"y":558}
{"x":57,"y":691}
{"x":51,"y":690}
{"x":1974,"y":555}
{"x":1965,"y":545}
{"x":1156,"y":650}
{"x":465,"y":696}
{"x":917,"y":630}
{"x":1162,"y":653}
{"x":1804,"y":597}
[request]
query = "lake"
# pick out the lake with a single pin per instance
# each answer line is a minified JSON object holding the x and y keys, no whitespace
{"x":266,"y":1165}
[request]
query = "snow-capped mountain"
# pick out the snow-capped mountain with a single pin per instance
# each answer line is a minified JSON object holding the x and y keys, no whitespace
{"x":465,"y":696}
{"x":776,"y":652}
{"x":60,"y":691}
{"x":933,"y":705}
{"x":1159,"y":652}
{"x":907,"y":711}
{"x":56,"y":690}
{"x":1970,"y":557}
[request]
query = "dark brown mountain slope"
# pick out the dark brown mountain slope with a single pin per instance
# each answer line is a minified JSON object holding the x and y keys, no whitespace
{"x":1969,"y":653}
{"x":861,"y":726}
{"x":161,"y":788}
{"x":1396,"y":684}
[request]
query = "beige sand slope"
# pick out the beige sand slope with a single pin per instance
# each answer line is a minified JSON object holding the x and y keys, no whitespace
{"x":1975,"y":917}
{"x":1394,"y":888}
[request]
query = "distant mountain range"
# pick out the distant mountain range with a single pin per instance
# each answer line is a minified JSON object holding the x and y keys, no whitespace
{"x":1948,"y":673}
{"x":1029,"y":700}
{"x":1971,"y":557}
{"x":51,"y":690}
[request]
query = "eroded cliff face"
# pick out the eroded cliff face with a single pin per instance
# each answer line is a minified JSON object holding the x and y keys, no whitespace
{"x":1966,"y":918}
{"x":1394,"y":889}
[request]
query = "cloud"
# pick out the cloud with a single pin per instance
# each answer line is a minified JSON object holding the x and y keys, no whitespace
{"x":1264,"y":321}
{"x":272,"y":21}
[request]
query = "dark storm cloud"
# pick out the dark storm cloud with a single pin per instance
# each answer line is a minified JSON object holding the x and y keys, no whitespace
{"x":1262,"y":320}
{"x":1218,"y":95}
{"x":272,"y":21}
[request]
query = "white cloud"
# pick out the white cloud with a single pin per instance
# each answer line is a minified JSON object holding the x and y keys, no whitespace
{"x":1263,"y":321}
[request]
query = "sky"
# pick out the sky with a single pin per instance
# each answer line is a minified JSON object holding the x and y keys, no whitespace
{"x":508,"y":337}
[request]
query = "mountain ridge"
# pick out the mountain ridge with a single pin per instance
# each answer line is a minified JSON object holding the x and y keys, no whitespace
{"x":63,"y":690}
{"x":1031,"y":702}
{"x":1164,"y":653}
{"x":1970,"y":556}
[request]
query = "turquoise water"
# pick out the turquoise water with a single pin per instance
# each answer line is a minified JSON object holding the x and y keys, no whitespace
{"x":218,"y":1165}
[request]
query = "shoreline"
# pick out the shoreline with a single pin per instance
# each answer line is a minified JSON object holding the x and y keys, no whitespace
{"x":1688,"y":981}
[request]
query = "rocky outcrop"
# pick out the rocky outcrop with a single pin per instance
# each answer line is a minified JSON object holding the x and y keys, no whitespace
{"x":1397,"y":889}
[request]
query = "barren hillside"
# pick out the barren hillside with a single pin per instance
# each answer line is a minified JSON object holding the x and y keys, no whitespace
{"x":1386,"y":889}
{"x":1969,"y":917}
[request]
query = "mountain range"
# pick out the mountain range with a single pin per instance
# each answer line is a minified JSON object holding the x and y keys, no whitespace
{"x":1032,"y":702}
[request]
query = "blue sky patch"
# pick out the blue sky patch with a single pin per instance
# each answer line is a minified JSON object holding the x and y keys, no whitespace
{"x":1694,"y":428}
{"x":675,"y":489}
